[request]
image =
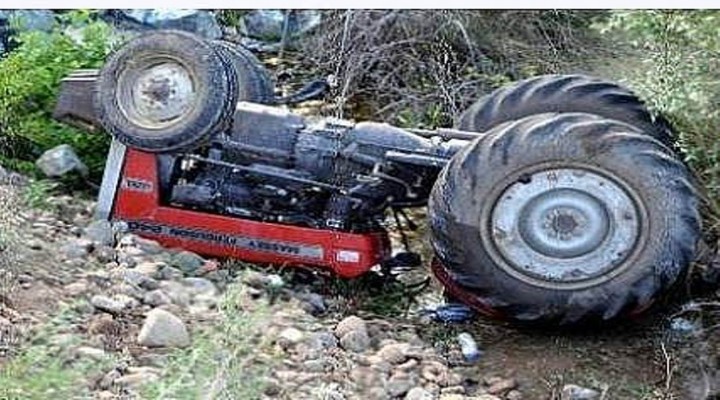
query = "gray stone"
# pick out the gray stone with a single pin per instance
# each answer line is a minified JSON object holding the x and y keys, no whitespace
{"x":90,"y":352}
{"x":138,"y":279}
{"x":150,"y":269}
{"x":137,"y":380}
{"x":77,"y":248}
{"x":107,"y":381}
{"x":322,"y":341}
{"x":575,"y":392}
{"x":189,"y":263}
{"x":357,"y":341}
{"x":502,"y":386}
{"x":394,"y":353}
{"x":115,"y":305}
{"x":60,"y":161}
{"x":163,"y":329}
{"x":101,"y":233}
{"x":351,"y":323}
{"x":177,"y":292}
{"x":290,"y":336}
{"x":418,"y":393}
{"x":268,"y":24}
{"x":199,"y":22}
{"x":399,"y":384}
{"x":76,"y":289}
{"x":200,"y":287}
{"x":156,"y":298}
{"x":169,"y":273}
{"x":313,"y":303}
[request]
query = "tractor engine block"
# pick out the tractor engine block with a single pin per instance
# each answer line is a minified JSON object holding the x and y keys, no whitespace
{"x":276,"y":166}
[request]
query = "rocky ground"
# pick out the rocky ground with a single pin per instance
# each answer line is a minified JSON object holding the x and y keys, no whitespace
{"x":89,"y":312}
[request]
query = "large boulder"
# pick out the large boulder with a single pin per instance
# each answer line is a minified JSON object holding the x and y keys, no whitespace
{"x":202,"y":23}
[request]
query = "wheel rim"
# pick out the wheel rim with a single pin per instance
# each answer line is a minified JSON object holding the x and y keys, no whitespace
{"x":565,"y":227}
{"x":157,"y":93}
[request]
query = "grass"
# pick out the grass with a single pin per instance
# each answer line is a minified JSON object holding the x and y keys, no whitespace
{"x":36,"y":194}
{"x":40,"y":371}
{"x":224,"y":361}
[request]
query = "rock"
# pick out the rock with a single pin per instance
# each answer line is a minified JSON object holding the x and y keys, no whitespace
{"x":189,"y":263}
{"x":313,"y":303}
{"x":60,"y":161}
{"x":437,"y":372}
{"x":148,"y":246}
{"x":77,"y":248}
{"x":268,"y":24}
{"x":76,"y":289}
{"x":351,"y":323}
{"x":107,"y":381}
{"x":199,"y":22}
{"x":101,"y":233}
{"x":156,"y":298}
{"x":163,"y":329}
{"x":138,"y":279}
{"x":357,"y":341}
{"x":514,"y":395}
{"x":90,"y":352}
{"x":418,"y":393}
{"x":394,"y":353}
{"x":177,"y":292}
{"x":459,"y":389}
{"x":399,"y":384}
{"x":452,"y":396}
{"x":502,"y":386}
{"x":317,"y":365}
{"x":200,"y":287}
{"x":575,"y":392}
{"x":322,"y":341}
{"x":115,"y":305}
{"x":35,"y":244}
{"x":169,"y":274}
{"x":151,"y":269}
{"x":290,"y":336}
{"x":137,"y":380}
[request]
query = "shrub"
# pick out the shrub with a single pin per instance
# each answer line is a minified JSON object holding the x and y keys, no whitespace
{"x":424,"y":67}
{"x":29,"y":81}
{"x":678,"y":74}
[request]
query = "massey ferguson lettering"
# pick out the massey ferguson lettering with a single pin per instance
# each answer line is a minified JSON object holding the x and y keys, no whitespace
{"x":248,"y":243}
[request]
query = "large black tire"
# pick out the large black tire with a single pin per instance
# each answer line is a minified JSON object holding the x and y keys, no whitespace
{"x":167,"y":91}
{"x":254,"y":82}
{"x":653,"y":204}
{"x":564,"y":93}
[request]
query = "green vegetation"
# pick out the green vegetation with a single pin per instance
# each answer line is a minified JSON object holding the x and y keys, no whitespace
{"x":678,"y":53}
{"x":224,"y":358}
{"x":29,"y":81}
{"x":44,"y":369}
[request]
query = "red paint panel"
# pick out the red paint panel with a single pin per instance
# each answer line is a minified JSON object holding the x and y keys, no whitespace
{"x":347,"y":254}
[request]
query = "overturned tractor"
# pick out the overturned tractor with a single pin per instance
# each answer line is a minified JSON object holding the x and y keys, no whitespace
{"x":558,"y":199}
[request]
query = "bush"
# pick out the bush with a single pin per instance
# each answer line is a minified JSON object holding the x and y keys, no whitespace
{"x":29,"y":81}
{"x":678,"y":74}
{"x":424,"y":67}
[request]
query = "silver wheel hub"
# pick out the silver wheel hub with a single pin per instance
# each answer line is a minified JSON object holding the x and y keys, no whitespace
{"x":158,"y":95}
{"x":564,"y":225}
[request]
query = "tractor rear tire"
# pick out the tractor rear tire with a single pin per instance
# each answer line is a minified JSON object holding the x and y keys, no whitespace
{"x":563,"y":219}
{"x":564,"y":93}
